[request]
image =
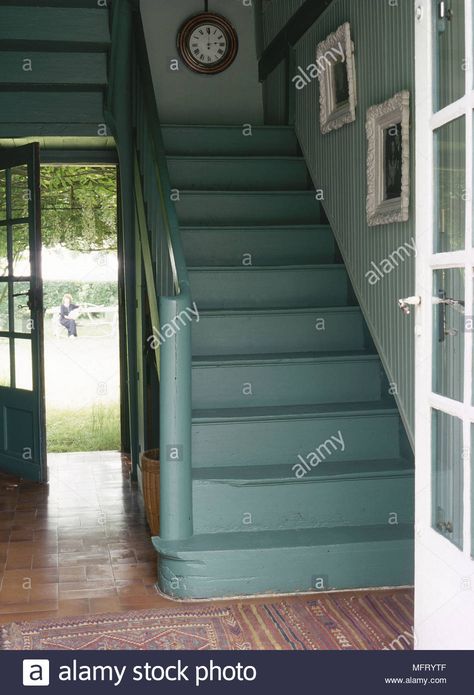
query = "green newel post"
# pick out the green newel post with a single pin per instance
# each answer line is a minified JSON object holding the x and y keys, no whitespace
{"x":175,"y":431}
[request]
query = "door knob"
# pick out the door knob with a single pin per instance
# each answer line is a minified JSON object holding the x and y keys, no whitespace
{"x":32,"y":303}
{"x":408,"y":302}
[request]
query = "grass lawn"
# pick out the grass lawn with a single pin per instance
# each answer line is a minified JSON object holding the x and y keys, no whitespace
{"x":95,"y":428}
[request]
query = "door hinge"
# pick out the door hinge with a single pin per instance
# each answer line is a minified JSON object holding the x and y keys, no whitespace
{"x":442,"y":301}
{"x":445,"y":526}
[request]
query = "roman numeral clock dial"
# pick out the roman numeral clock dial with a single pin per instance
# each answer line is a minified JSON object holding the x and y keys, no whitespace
{"x":207,"y":43}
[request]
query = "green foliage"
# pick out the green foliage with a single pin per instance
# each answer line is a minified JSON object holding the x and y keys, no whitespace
{"x":79,"y":207}
{"x":104,"y":293}
{"x":84,"y":429}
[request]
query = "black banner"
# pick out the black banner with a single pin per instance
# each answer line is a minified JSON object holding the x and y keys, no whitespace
{"x":282,"y":673}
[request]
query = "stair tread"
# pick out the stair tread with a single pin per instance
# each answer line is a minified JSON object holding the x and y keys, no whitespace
{"x":285,"y":357}
{"x":254,"y":227}
{"x":223,"y":158}
{"x":295,"y":411}
{"x":231,"y":126}
{"x":249,"y":475}
{"x":264,"y":268}
{"x":314,"y":537}
{"x":279,"y":310}
{"x":250,"y":192}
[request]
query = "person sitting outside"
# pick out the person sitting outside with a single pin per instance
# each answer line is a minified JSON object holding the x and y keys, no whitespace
{"x":68,"y":315}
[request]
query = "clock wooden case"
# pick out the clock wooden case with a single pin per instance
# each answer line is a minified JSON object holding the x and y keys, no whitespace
{"x":207,"y":43}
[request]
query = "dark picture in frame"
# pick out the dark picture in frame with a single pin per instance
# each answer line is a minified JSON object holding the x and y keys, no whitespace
{"x":388,"y":160}
{"x":341,"y":83}
{"x":335,"y":57}
{"x":393,"y":162}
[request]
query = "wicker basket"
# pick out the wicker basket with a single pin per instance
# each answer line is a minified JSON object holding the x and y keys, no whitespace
{"x":150,"y":465}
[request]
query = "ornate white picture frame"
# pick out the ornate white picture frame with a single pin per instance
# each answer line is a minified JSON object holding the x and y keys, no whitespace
{"x":337,"y":79}
{"x":388,"y":161}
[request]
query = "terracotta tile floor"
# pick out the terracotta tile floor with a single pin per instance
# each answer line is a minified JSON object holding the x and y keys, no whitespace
{"x":76,"y":546}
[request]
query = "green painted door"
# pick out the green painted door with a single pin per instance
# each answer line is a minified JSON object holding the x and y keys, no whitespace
{"x":22,"y":421}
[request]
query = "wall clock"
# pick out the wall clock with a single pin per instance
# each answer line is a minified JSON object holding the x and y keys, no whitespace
{"x":208,"y":43}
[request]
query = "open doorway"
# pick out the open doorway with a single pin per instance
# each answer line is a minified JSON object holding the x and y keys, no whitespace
{"x":81,"y":316}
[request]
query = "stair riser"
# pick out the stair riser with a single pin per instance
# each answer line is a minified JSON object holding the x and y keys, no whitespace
{"x":230,"y":141}
{"x":288,"y":383}
{"x":260,"y":246}
{"x":272,"y":333}
{"x":264,"y":289}
{"x":54,"y":24}
{"x":90,"y":4}
{"x":53,"y":68}
{"x":52,"y":107}
{"x":238,"y":174}
{"x":241,"y":208}
{"x":301,"y":504}
{"x":284,"y":570}
{"x":281,"y":441}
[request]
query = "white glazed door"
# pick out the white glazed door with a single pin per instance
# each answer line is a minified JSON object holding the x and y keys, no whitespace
{"x":443,"y":324}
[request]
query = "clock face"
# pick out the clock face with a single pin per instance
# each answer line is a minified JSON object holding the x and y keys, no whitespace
{"x":207,"y":43}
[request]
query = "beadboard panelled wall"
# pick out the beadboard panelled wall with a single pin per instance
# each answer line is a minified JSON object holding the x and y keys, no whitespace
{"x":276,"y":14}
{"x":384,"y":53}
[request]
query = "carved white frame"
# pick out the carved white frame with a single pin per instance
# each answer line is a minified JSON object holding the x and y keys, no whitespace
{"x":379,"y":118}
{"x":332,"y":116}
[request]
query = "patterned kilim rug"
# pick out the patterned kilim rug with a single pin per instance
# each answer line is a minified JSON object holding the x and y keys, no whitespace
{"x":360,"y":620}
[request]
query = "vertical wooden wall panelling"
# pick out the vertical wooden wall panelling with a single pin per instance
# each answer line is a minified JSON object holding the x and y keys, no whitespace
{"x":384,"y":52}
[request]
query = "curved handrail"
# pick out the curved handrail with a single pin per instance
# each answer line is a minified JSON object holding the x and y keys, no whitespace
{"x":177,"y":260}
{"x":176,"y":252}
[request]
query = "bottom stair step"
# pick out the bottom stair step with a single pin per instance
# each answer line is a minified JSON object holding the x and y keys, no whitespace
{"x":343,"y":493}
{"x":218,"y":565}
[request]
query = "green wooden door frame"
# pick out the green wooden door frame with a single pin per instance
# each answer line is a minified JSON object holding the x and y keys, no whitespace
{"x":22,"y":407}
{"x":97,"y":157}
{"x":108,"y":157}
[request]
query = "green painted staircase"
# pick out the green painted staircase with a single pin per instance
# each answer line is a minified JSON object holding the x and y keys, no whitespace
{"x":53,"y":67}
{"x":283,"y":365}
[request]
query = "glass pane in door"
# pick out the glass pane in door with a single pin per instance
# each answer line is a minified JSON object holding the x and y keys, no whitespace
{"x":450,"y":52}
{"x":20,"y":192}
{"x":4,"y":313}
{"x":472,"y":492}
{"x":21,"y":311}
{"x":23,"y":365}
{"x":4,"y":362}
{"x":3,"y":252}
{"x":450,"y":186}
{"x":448,"y":337}
{"x":21,"y":255}
{"x":447,"y":512}
{"x":3,"y":195}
